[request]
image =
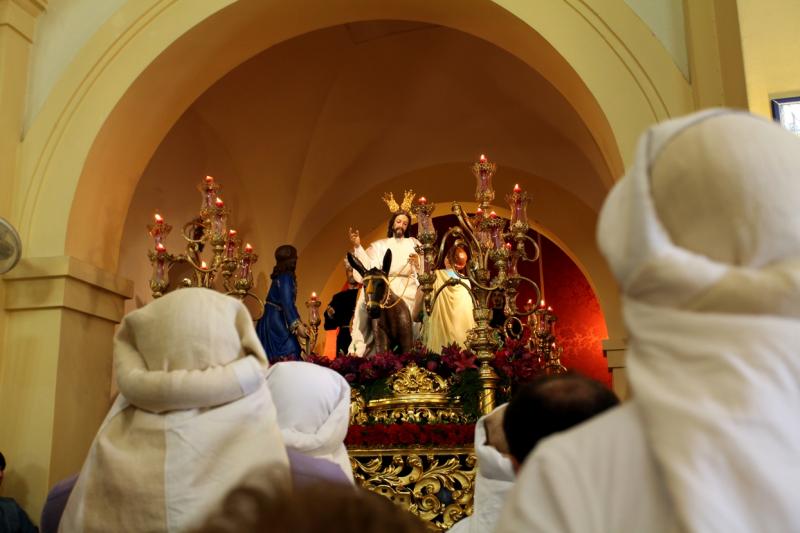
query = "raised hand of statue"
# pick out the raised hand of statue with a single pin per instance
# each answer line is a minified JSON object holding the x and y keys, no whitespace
{"x":413,"y":260}
{"x":355,"y":238}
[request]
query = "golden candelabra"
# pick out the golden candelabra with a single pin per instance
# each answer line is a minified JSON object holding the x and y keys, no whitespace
{"x":543,"y":340}
{"x":228,"y":261}
{"x":494,"y":257}
{"x":228,"y":267}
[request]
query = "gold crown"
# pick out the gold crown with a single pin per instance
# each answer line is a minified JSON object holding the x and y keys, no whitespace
{"x":391,"y":203}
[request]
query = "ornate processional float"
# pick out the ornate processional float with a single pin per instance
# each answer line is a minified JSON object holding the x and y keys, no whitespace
{"x":412,"y":414}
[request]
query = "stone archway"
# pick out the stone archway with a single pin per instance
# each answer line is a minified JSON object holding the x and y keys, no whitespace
{"x":83,"y":155}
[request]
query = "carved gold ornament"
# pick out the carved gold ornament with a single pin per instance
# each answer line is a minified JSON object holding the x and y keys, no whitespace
{"x":436,"y":485}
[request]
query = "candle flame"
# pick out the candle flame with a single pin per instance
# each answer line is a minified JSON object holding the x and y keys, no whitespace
{"x":209,"y":179}
{"x":313,"y":295}
{"x":203,"y":265}
{"x":248,"y":248}
{"x":483,"y":158}
{"x":160,"y":247}
{"x":541,"y":304}
{"x":517,"y":188}
{"x":232,"y":233}
{"x":159,"y":218}
{"x":218,"y":202}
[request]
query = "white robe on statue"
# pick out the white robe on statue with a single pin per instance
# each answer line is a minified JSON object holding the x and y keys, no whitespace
{"x":193,"y":416}
{"x":703,"y":235}
{"x":451,"y":315}
{"x":313,"y":404}
{"x":494,"y":479}
{"x":403,"y":281}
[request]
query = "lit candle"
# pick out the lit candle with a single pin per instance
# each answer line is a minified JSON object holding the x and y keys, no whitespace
{"x":422,"y":200}
{"x":203,"y":265}
{"x":248,"y":249}
{"x":483,"y":158}
{"x":517,"y":188}
{"x":218,"y":202}
{"x":230,"y":244}
{"x":492,"y":215}
{"x":159,"y":218}
{"x":508,"y":246}
{"x":209,"y":180}
{"x":313,"y":296}
{"x":479,"y":212}
{"x":160,"y":248}
{"x":541,"y":304}
{"x":549,"y":309}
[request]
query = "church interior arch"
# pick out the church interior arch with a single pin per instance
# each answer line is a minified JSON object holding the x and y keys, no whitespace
{"x":556,"y":96}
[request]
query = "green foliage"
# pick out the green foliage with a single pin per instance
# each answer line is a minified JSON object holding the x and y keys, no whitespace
{"x":467,"y":387}
{"x":372,"y":390}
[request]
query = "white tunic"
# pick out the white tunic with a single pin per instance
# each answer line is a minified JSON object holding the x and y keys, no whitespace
{"x":597,"y":477}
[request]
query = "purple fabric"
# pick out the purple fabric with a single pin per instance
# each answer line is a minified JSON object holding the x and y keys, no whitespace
{"x":54,"y":506}
{"x":307,"y":470}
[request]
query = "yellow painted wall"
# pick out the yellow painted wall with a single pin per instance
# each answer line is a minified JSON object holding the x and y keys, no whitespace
{"x":770,"y":48}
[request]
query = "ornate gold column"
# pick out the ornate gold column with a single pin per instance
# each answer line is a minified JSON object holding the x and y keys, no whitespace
{"x":55,"y":370}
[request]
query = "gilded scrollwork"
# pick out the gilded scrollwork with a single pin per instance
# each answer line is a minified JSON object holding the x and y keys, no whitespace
{"x":418,"y":396}
{"x":436,"y":485}
{"x":413,"y":380}
{"x":358,"y":408}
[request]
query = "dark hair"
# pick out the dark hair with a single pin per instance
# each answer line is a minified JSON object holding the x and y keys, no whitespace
{"x":2,"y":462}
{"x":336,"y":508}
{"x":389,"y":229}
{"x":285,"y":260}
{"x":550,"y":404}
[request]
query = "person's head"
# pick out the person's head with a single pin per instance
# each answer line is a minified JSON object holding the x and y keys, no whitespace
{"x":706,"y":219}
{"x":285,"y":260}
{"x":313,"y":405}
{"x":398,"y":225}
{"x":2,"y":467}
{"x":218,"y":329}
{"x":550,"y":404}
{"x":251,"y":508}
{"x":457,"y":258}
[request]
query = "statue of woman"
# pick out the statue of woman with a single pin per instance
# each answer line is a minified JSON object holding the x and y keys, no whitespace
{"x":280,"y":326}
{"x":451,"y":314}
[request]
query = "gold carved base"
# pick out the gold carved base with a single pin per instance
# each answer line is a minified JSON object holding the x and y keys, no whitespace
{"x":435,"y":484}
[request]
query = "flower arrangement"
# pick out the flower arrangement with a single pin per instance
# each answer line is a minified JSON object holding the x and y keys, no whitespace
{"x":514,"y":363}
{"x":400,"y":435}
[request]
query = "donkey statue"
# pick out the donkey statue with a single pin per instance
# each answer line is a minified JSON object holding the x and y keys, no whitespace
{"x":389,"y":317}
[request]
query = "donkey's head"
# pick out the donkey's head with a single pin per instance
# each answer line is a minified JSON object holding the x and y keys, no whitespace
{"x":376,"y":284}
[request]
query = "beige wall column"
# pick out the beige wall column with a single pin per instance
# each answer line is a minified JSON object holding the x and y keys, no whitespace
{"x":614,"y":350}
{"x":715,"y":53}
{"x":55,"y":373}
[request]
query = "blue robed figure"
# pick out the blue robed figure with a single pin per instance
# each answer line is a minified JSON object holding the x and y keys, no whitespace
{"x":280,"y":325}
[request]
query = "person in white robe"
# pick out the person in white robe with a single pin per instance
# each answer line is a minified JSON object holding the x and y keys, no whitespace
{"x":494,"y":478}
{"x":313,"y":404}
{"x":402,"y":275}
{"x":451,"y":317}
{"x":703,"y":235}
{"x":192,"y":417}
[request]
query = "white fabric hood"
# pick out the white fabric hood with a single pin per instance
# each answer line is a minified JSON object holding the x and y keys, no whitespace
{"x":313,"y":404}
{"x":703,"y":234}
